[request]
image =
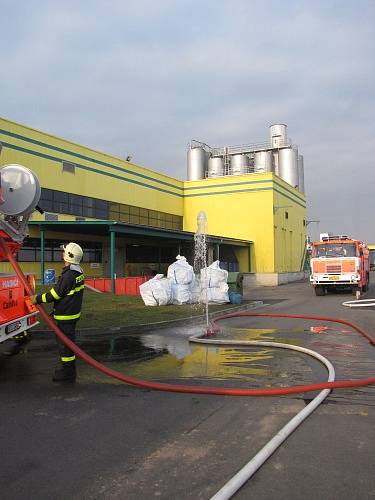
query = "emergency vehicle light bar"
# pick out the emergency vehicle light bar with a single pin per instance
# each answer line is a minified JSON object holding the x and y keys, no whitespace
{"x":337,"y":237}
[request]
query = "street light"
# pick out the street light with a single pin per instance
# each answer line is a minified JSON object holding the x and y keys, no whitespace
{"x":310,"y":221}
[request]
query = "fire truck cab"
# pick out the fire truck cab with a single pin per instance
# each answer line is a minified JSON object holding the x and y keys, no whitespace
{"x":339,"y":262}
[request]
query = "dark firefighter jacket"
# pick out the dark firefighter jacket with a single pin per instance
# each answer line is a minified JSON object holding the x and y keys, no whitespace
{"x":66,"y":295}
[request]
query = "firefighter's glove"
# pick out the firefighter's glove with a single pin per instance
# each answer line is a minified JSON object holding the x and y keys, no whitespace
{"x":33,"y":299}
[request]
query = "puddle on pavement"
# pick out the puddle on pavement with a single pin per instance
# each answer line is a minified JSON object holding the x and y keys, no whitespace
{"x":167,"y":355}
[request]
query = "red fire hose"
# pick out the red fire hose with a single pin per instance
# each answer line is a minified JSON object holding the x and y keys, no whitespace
{"x":201,"y":389}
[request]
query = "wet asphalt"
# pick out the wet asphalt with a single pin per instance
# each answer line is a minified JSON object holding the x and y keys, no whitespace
{"x":101,"y":439}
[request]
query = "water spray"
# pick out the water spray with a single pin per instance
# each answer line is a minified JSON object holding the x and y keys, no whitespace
{"x":200,"y":261}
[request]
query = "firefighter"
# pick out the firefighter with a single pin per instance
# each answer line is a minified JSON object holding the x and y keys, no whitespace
{"x":66,"y":296}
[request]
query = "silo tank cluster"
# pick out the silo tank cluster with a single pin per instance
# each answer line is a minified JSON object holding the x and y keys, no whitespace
{"x":278,"y":155}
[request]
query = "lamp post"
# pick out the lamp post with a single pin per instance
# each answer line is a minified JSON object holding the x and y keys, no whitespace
{"x":310,"y":221}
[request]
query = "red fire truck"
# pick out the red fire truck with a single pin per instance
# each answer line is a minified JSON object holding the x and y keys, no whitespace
{"x":19,"y":195}
{"x":339,"y":262}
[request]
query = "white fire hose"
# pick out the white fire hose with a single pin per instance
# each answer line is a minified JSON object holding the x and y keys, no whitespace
{"x":360,"y":303}
{"x":239,"y":479}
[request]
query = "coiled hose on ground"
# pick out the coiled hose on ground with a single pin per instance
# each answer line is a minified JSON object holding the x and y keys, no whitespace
{"x":246,"y":472}
{"x":359,"y":303}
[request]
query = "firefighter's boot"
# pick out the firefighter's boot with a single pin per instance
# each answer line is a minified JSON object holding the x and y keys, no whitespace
{"x":22,"y":338}
{"x":66,"y":373}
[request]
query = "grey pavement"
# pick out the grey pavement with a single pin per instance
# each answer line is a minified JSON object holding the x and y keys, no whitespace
{"x":100,"y":439}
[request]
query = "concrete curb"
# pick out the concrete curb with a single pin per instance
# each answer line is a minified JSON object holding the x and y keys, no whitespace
{"x":131,"y":329}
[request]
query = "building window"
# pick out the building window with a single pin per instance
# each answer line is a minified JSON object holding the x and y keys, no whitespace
{"x":48,"y":216}
{"x":84,"y":206}
{"x":68,"y":166}
{"x":30,"y":252}
{"x":142,"y":254}
{"x":101,"y":209}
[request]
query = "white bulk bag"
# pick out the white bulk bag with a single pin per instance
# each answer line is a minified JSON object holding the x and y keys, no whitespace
{"x":213,"y":276}
{"x":195,"y":290}
{"x":181,"y":294}
{"x":180,"y":272}
{"x":156,"y":291}
{"x":217,"y":295}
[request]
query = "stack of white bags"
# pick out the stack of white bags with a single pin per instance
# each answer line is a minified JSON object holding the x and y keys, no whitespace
{"x":181,"y":286}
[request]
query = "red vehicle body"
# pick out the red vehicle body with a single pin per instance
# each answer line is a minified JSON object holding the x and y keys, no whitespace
{"x":17,"y":314}
{"x":339,"y":262}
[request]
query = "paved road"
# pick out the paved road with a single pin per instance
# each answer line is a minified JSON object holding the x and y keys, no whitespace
{"x":99,"y":439}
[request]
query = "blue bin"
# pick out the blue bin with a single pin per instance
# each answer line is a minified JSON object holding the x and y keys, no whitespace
{"x":235,"y":298}
{"x":49,"y":276}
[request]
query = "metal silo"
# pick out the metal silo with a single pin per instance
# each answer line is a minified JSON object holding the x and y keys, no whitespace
{"x":196,"y":164}
{"x":215,"y":166}
{"x":239,"y":164}
{"x":278,"y":135}
{"x":301,"y":174}
{"x":263,"y":161}
{"x":288,"y":169}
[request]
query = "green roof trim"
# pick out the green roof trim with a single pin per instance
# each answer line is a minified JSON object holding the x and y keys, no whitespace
{"x":90,"y":169}
{"x":244,"y":183}
{"x":246,"y":191}
{"x":67,"y":222}
{"x":134,"y":230}
{"x":83,"y":157}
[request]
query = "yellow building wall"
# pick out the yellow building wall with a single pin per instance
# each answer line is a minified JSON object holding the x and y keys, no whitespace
{"x":248,"y":207}
{"x":236,"y":207}
{"x":97,"y":174}
{"x":289,"y":227}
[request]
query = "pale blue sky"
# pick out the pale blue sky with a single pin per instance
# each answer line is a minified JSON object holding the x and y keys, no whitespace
{"x":145,"y":78}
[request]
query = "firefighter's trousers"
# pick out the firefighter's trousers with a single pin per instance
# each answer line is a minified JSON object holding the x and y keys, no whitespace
{"x":67,"y":357}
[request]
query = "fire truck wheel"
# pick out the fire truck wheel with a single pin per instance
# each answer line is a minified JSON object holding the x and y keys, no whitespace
{"x":319,"y":290}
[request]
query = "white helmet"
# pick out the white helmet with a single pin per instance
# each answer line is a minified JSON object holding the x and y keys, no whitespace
{"x":72,"y":253}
